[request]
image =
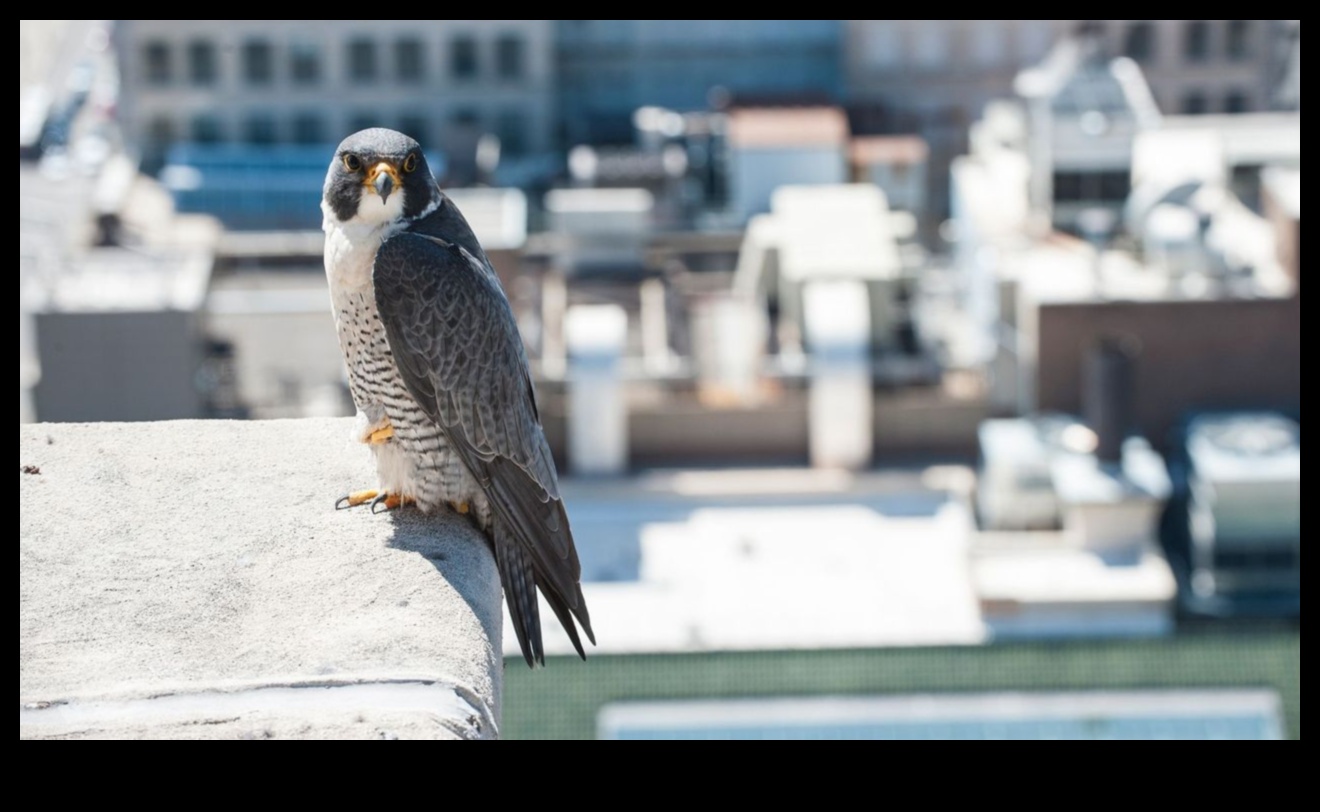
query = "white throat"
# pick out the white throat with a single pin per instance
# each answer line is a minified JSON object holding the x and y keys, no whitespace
{"x":351,"y":245}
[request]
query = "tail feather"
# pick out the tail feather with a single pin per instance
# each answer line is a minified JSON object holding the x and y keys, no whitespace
{"x":533,"y":528}
{"x":565,"y":619}
{"x":520,"y":593}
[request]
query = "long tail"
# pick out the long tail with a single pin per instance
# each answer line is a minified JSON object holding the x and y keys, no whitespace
{"x":534,"y":547}
{"x":520,"y":592}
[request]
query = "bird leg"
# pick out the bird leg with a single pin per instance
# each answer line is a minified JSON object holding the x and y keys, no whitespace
{"x":461,"y":508}
{"x":390,"y":501}
{"x":354,"y":498}
{"x":377,"y":499}
{"x":372,"y":433}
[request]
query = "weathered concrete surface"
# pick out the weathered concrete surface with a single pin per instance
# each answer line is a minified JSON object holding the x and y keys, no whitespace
{"x":192,"y":579}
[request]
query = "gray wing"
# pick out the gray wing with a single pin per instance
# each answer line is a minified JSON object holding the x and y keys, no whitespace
{"x":457,"y":347}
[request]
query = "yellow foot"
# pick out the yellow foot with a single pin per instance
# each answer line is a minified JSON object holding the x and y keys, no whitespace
{"x":384,"y":501}
{"x":380,"y":435}
{"x":460,"y":507}
{"x":354,"y":499}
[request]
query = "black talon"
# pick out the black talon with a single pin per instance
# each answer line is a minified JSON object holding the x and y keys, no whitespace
{"x":342,"y":503}
{"x":380,"y":498}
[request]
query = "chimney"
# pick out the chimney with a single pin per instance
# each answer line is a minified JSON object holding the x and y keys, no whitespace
{"x":1107,"y":395}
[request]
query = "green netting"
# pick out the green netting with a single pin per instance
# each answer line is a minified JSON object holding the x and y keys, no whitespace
{"x":562,"y":700}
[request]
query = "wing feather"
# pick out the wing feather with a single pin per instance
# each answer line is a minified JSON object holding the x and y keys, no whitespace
{"x":457,"y":347}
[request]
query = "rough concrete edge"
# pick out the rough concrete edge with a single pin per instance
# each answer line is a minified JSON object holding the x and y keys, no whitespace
{"x":102,"y":710}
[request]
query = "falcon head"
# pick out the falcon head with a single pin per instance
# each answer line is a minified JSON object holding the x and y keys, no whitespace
{"x":378,"y":176}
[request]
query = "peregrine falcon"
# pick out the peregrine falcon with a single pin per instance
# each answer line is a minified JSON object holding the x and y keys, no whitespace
{"x":439,"y":374}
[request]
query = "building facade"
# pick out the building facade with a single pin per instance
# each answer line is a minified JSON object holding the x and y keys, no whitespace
{"x":1201,"y":66}
{"x":934,"y":77}
{"x":609,"y":68}
{"x":928,"y":66}
{"x":269,"y":82}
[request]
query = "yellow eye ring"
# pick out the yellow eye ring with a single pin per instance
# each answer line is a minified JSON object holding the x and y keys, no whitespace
{"x":410,"y":163}
{"x":352,"y":162}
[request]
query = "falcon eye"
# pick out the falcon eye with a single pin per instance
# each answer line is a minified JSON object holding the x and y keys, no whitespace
{"x":352,"y":162}
{"x":410,"y":163}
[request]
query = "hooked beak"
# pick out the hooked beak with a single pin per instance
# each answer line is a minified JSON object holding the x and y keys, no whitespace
{"x":383,"y":178}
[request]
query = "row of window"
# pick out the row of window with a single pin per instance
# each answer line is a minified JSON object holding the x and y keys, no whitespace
{"x":1197,"y":102}
{"x":366,"y":61}
{"x":1140,"y":41}
{"x":1080,"y":187}
{"x":931,"y":44}
{"x":313,"y":128}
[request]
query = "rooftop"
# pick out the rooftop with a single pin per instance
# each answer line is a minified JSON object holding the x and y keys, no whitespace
{"x":192,"y":579}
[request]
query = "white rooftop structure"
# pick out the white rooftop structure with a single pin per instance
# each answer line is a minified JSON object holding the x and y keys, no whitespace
{"x":1045,"y":589}
{"x":770,"y":559}
{"x":1286,"y":185}
{"x":1084,"y":110}
{"x":1101,"y":573}
{"x":1015,"y":491}
{"x":1248,"y":138}
{"x":498,"y":216}
{"x":1106,"y":509}
{"x":599,"y":211}
{"x":822,"y":232}
{"x":124,"y":280}
{"x":600,"y":229}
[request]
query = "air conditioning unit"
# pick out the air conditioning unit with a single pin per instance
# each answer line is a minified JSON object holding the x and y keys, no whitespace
{"x":1245,"y":512}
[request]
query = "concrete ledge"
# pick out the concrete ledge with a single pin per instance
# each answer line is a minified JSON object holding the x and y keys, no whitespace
{"x":192,"y":579}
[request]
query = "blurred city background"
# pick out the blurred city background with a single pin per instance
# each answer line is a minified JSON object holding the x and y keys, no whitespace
{"x":908,"y":378}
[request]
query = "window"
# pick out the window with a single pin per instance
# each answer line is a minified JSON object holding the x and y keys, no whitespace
{"x":884,"y":43}
{"x":930,"y":44}
{"x":362,"y":121}
{"x":988,"y":43}
{"x":1237,"y":101}
{"x":511,"y":127}
{"x":258,"y":68}
{"x":1239,"y":40}
{"x":1140,"y":42}
{"x":160,"y":133}
{"x":259,"y":129}
{"x":408,"y":60}
{"x":304,"y":63}
{"x":1034,"y":39}
{"x":1196,"y":41}
{"x":362,"y":61}
{"x":206,"y":129}
{"x":156,"y":60}
{"x":1194,"y":103}
{"x":1091,"y":29}
{"x":201,"y":62}
{"x":463,"y":58}
{"x":1090,"y":187}
{"x":159,"y":136}
{"x":417,"y":127}
{"x":1067,"y":186}
{"x":1115,"y":186}
{"x":509,"y":57}
{"x":465,"y":117}
{"x":309,"y":128}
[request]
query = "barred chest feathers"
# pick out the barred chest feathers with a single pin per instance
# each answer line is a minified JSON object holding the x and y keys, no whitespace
{"x":416,"y":462}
